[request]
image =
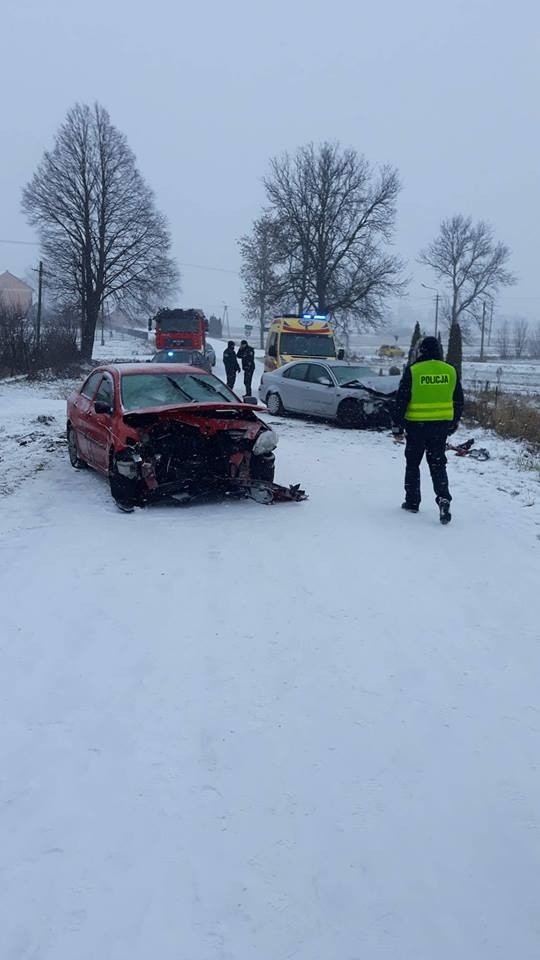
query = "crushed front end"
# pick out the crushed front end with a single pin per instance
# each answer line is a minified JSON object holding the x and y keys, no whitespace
{"x":192,"y":452}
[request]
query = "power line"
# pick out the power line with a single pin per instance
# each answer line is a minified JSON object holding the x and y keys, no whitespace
{"x":236,"y":273}
{"x":22,"y":243}
{"x":202,"y":266}
{"x":196,"y":266}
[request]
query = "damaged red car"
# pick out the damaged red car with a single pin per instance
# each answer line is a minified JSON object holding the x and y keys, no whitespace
{"x":166,"y":430}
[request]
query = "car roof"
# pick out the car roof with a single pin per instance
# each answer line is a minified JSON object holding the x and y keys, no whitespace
{"x":327,"y":363}
{"x":153,"y":368}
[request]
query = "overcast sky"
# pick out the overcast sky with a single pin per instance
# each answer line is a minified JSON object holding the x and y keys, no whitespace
{"x":206,"y":92}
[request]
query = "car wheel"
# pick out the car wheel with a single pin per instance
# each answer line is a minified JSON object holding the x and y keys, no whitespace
{"x":73,"y":449}
{"x":124,"y":491}
{"x":351,"y":414}
{"x":263,"y":468}
{"x":274,"y":404}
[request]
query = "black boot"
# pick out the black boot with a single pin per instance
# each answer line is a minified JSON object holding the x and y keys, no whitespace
{"x":444,"y":510}
{"x":125,"y":506}
{"x":409,"y":507}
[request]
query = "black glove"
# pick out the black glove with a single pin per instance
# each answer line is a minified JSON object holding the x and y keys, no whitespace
{"x":397,"y":431}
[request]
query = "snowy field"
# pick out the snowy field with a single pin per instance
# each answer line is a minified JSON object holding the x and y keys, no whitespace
{"x":233,"y":731}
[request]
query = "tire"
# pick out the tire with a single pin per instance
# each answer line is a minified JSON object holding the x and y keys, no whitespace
{"x":263,"y":468}
{"x":274,"y":404}
{"x":351,"y":413}
{"x":75,"y":460}
{"x":124,"y":491}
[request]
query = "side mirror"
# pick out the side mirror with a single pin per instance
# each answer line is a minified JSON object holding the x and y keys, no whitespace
{"x":101,"y":407}
{"x":272,"y":351}
{"x":325,"y":382}
{"x":251,"y":400}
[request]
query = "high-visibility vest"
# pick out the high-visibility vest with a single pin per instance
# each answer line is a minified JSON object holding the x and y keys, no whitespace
{"x":432,"y":391}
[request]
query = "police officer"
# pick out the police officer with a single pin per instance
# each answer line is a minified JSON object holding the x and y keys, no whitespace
{"x":247,"y":355}
{"x":428,"y":408}
{"x":232,"y":366}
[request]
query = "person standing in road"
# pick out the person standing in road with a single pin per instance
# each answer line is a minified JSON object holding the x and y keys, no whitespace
{"x":247,"y":355}
{"x":428,"y":408}
{"x":232,"y":366}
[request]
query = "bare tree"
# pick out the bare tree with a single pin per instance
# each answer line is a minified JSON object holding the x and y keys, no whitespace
{"x":520,"y":336}
{"x":534,"y":342}
{"x":466,"y":257}
{"x":100,"y":231}
{"x":263,"y":289}
{"x":503,"y":340}
{"x":334,"y":220}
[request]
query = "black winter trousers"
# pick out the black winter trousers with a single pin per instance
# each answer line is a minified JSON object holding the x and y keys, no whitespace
{"x":248,"y":377}
{"x":231,"y":378}
{"x":428,"y":438}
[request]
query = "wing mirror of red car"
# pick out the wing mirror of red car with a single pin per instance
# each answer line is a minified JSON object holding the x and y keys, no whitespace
{"x":101,"y":407}
{"x":251,"y":400}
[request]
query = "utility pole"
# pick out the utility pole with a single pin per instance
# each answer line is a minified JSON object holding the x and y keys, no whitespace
{"x":437,"y":297}
{"x":226,"y":325}
{"x":483,"y":330}
{"x":490,"y":324}
{"x":40,"y":296}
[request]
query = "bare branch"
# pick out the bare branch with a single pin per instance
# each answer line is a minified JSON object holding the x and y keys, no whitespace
{"x":332,"y":217}
{"x":471,"y":264}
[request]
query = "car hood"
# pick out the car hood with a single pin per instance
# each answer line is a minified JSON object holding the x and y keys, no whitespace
{"x":210,"y":418}
{"x":381,"y":386}
{"x":177,"y":411}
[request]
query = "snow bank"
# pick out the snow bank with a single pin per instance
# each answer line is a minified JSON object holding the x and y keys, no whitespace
{"x":236,"y":731}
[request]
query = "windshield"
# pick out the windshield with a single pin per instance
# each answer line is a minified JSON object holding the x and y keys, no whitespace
{"x":307,"y":345}
{"x":178,"y":325}
{"x":140,"y":390}
{"x":347,"y":374}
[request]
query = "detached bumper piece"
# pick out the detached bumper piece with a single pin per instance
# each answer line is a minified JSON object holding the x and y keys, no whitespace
{"x":262,"y":491}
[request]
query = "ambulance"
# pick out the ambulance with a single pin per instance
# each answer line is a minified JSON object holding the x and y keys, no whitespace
{"x":299,"y":337}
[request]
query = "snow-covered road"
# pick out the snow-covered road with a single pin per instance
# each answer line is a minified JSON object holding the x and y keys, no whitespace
{"x":305,"y":731}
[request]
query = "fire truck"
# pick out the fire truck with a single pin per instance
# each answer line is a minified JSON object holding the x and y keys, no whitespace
{"x":179,"y":329}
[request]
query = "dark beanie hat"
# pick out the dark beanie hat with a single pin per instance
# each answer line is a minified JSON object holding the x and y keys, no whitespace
{"x":429,"y":349}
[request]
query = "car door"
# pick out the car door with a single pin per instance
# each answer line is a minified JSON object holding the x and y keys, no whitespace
{"x":99,"y":425}
{"x":291,"y":387}
{"x":80,"y":411}
{"x":320,"y":393}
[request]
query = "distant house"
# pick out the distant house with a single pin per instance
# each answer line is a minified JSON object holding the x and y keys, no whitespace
{"x":15,"y":293}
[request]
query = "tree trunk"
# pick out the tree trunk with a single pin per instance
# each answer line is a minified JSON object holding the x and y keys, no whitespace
{"x":261,"y":327}
{"x":88,"y":332}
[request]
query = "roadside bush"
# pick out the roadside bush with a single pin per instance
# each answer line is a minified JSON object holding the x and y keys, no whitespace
{"x":58,"y":350}
{"x":509,"y":415}
{"x":16,"y":339}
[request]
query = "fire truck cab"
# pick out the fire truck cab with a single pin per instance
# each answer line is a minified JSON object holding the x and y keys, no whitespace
{"x":179,"y":329}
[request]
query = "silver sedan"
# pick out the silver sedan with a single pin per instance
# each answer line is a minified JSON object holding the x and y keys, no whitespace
{"x":350,"y":393}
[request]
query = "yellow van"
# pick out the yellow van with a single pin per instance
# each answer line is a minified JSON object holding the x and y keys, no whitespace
{"x":292,"y":337}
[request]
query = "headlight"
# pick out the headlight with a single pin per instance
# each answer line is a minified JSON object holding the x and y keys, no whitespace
{"x":265,"y":443}
{"x":128,"y":463}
